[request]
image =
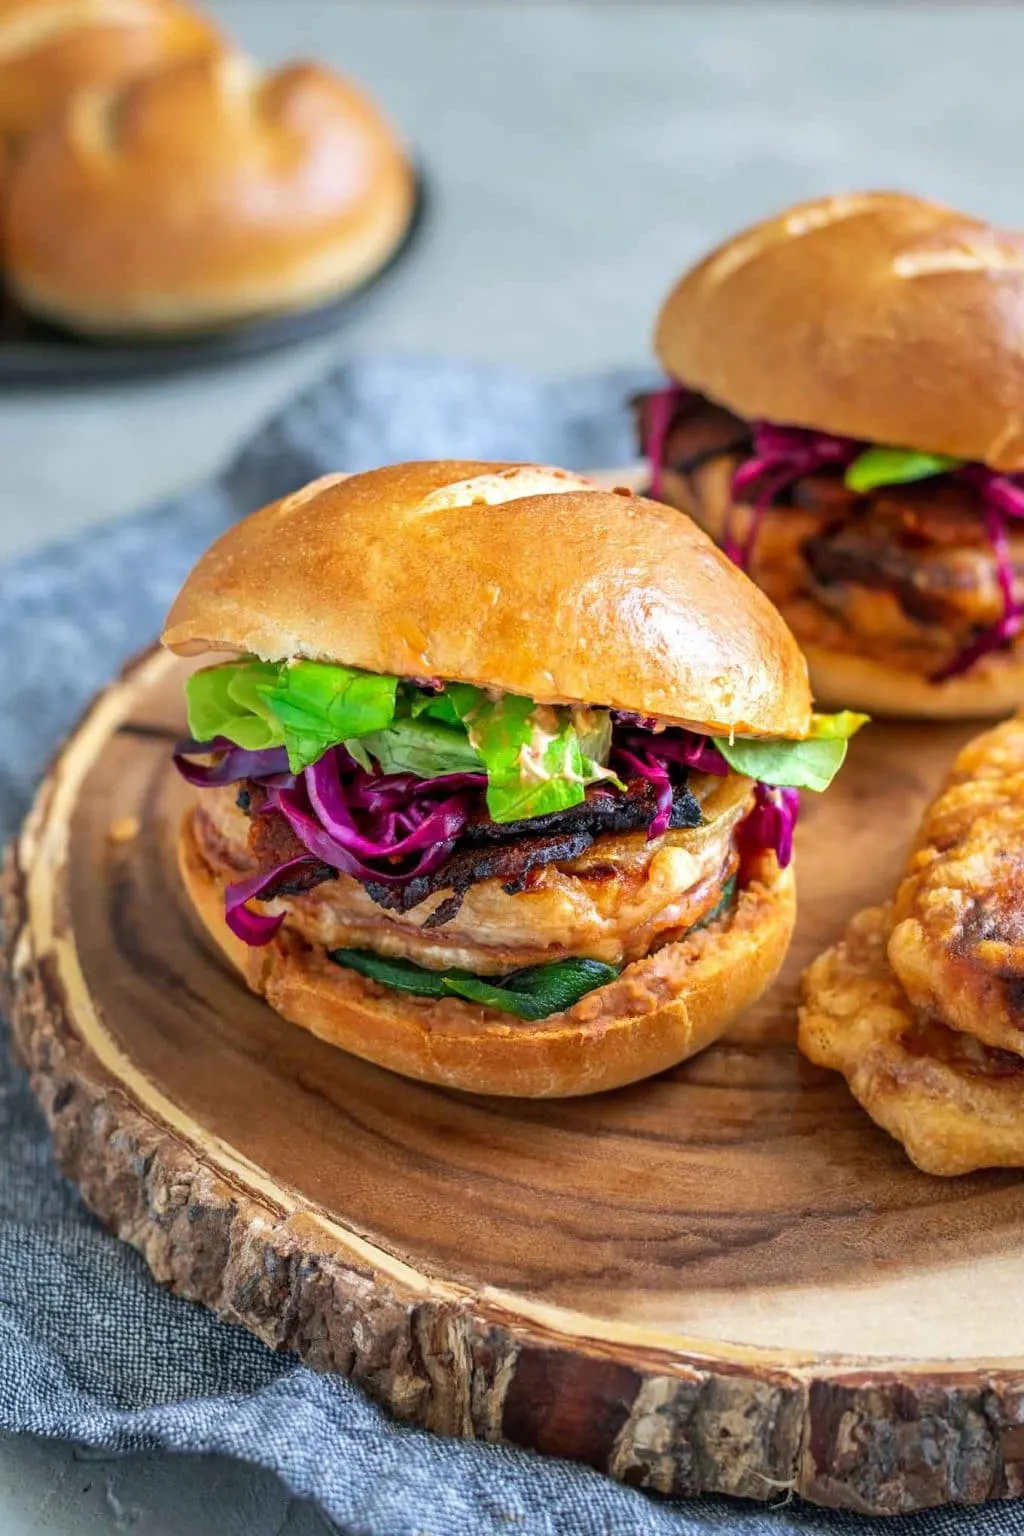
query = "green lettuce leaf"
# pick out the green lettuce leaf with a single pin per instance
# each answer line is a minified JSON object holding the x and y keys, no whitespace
{"x":305,"y":706}
{"x":593,"y":728}
{"x":320,"y":704}
{"x":356,"y":750}
{"x":462,"y":698}
{"x":535,"y":993}
{"x":436,"y":706}
{"x":222,"y":701}
{"x":532,"y":756}
{"x":809,"y":764}
{"x":422,"y":746}
{"x":895,"y":466}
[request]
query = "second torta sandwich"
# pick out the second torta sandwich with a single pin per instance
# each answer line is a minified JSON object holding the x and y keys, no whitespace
{"x":845,"y":420}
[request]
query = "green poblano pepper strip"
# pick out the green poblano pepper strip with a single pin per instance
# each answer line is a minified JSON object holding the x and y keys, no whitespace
{"x":535,"y":993}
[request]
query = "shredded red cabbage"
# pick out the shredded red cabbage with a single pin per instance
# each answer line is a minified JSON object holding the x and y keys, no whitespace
{"x":231,"y":763}
{"x":689,"y":750}
{"x":771,"y":823}
{"x":661,"y":409}
{"x":255,"y":928}
{"x":651,"y":755}
{"x":1001,"y":497}
{"x":782,"y":455}
{"x":346,"y":817}
{"x":656,"y":774}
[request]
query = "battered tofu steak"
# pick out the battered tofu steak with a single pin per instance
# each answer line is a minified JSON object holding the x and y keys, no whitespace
{"x":921,"y":1006}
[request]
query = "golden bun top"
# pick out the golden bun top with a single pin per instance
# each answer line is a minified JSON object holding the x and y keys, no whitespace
{"x":51,"y":48}
{"x":509,"y":576}
{"x":203,"y":194}
{"x":874,"y":315}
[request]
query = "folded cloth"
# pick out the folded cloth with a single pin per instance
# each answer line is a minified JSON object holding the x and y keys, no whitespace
{"x":91,"y":1349}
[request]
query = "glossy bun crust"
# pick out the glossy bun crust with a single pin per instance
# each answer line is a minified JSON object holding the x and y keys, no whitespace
{"x":203,"y":195}
{"x":874,"y":315}
{"x":51,"y":48}
{"x":513,"y":577}
{"x":660,"y":1010}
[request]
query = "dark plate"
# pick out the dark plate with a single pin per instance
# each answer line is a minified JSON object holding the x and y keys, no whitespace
{"x":33,"y":352}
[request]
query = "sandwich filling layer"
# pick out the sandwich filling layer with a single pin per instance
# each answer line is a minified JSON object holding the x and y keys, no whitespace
{"x":907,"y":558}
{"x":615,"y":900}
{"x":416,"y":829}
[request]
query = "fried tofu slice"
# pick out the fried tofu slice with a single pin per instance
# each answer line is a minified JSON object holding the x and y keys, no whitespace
{"x":955,"y":1104}
{"x":957,"y":943}
{"x":921,"y":1005}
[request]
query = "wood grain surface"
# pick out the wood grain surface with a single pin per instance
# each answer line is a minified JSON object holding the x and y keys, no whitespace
{"x":725,"y":1278}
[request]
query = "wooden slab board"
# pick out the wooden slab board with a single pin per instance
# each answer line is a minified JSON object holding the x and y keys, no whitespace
{"x":725,"y":1278}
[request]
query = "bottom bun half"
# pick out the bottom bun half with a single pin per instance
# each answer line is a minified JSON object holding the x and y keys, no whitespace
{"x":659,"y":1011}
{"x":991,"y":690}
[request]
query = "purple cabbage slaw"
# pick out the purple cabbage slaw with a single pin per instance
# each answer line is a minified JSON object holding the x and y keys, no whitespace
{"x":230,"y":764}
{"x":781,"y":456}
{"x":1002,"y":497}
{"x":362,"y":823}
{"x":661,"y":409}
{"x":650,"y":757}
{"x":771,"y":823}
{"x":400,"y":818}
{"x":255,"y":928}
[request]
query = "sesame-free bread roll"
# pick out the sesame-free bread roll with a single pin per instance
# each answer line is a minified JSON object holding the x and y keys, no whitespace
{"x":203,"y":195}
{"x":509,"y":576}
{"x":49,"y":49}
{"x":874,"y":315}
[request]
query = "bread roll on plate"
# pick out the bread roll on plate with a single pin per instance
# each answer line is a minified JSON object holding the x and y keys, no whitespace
{"x":204,"y":195}
{"x":49,"y":49}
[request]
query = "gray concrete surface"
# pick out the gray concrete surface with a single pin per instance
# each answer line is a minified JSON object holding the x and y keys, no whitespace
{"x":580,"y":155}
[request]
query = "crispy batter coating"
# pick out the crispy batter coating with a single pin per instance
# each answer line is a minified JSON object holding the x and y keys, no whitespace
{"x":921,"y":1006}
{"x":957,"y":943}
{"x":955,"y":1104}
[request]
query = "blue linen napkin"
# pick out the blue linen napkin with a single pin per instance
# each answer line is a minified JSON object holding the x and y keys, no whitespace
{"x":91,"y":1349}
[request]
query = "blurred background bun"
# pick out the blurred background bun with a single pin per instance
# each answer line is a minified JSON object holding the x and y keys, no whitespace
{"x":49,"y":49}
{"x":874,"y":315}
{"x":201,"y":195}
